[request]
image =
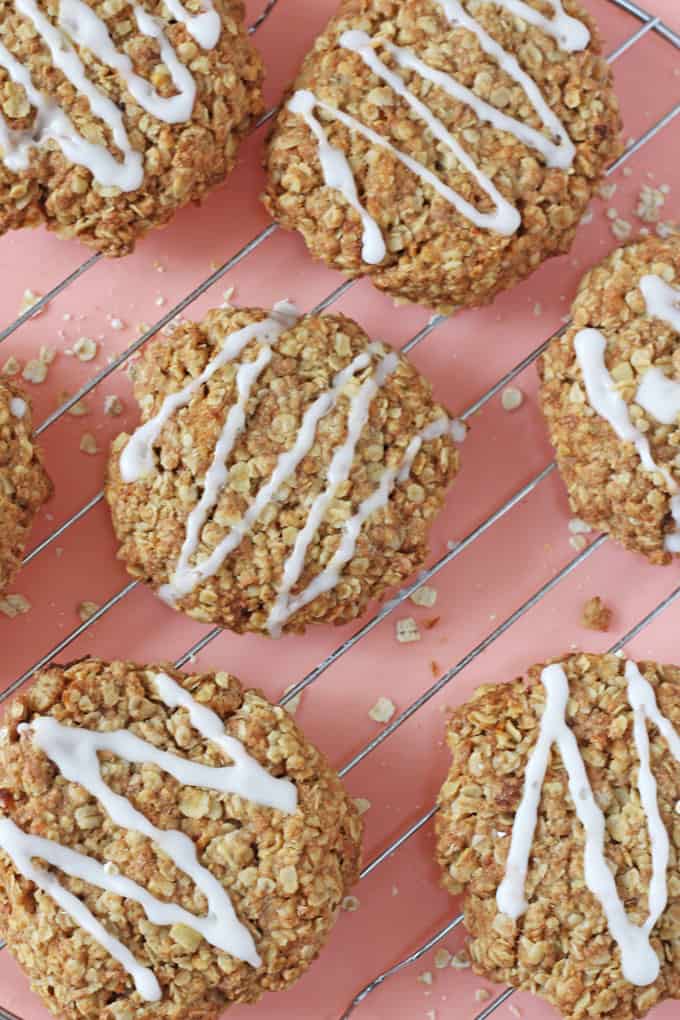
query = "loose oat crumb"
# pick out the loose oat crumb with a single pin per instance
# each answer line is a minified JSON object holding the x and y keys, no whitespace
{"x":621,"y":229}
{"x":650,"y":203}
{"x":578,"y":542}
{"x":47,"y":354}
{"x":113,"y":405}
{"x":407,"y":630}
{"x":85,"y":349}
{"x":292,"y":706}
{"x":627,"y":171}
{"x":432,"y":622}
{"x":538,"y":309}
{"x":607,"y":190}
{"x":442,"y":958}
{"x":160,"y":301}
{"x":431,"y":1014}
{"x":514,"y":1010}
{"x":35,"y":371}
{"x":78,"y":410}
{"x":461,"y":960}
{"x":362,"y":805}
{"x":116,"y":323}
{"x":512,"y":398}
{"x":14,"y":605}
{"x":587,"y":217}
{"x":88,"y":443}
{"x":12,"y":366}
{"x":595,"y":615}
{"x":87,"y":610}
{"x":434,"y":668}
{"x":383,"y":710}
{"x":29,"y":299}
{"x":350,"y":904}
{"x":578,"y":527}
{"x":425,"y":596}
{"x":425,"y":978}
{"x":481,"y":995}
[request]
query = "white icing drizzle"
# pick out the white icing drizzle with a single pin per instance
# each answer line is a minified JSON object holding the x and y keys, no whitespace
{"x":86,"y":29}
{"x":185,"y":577}
{"x":78,"y":21}
{"x":330,"y":576}
{"x":18,"y":407}
{"x":658,"y":395}
{"x":338,"y":473}
{"x":137,"y":459}
{"x":557,"y":150}
{"x":205,"y":27}
{"x":75,"y":751}
{"x":639,"y":962}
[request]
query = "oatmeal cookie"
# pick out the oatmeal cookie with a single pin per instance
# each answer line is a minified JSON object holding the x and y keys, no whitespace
{"x":169,"y":844}
{"x":287,"y":470}
{"x":445,"y":148}
{"x":24,"y":484}
{"x":610,"y":392}
{"x":113,"y":114}
{"x":587,"y":747}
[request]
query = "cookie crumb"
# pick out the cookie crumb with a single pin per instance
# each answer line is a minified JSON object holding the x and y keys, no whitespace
{"x":12,"y":366}
{"x":14,"y":605}
{"x":578,"y":542}
{"x":350,"y":904}
{"x":481,"y":995}
{"x":78,"y":410}
{"x":442,"y":958}
{"x":425,"y":978}
{"x":621,"y":229}
{"x":85,"y":349}
{"x":35,"y":371}
{"x":87,"y":610}
{"x":595,"y":615}
{"x":650,"y":203}
{"x":29,"y":299}
{"x":116,"y":323}
{"x":407,"y":630}
{"x":113,"y":405}
{"x":362,"y":805}
{"x":88,"y":443}
{"x":292,"y":706}
{"x":425,"y":596}
{"x":383,"y":710}
{"x":578,"y":527}
{"x":512,"y":398}
{"x":514,"y":1010}
{"x":461,"y":960}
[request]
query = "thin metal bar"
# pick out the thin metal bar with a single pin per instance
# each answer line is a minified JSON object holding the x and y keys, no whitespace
{"x":642,"y":15}
{"x":51,"y":294}
{"x":6,"y":1015}
{"x":41,"y":546}
{"x":651,"y":132}
{"x":632,"y":39}
{"x":397,"y":843}
{"x":406,"y":962}
{"x":260,"y":20}
{"x":493,"y":1006}
{"x":451,"y":674}
{"x":649,"y":618}
{"x":46,"y":659}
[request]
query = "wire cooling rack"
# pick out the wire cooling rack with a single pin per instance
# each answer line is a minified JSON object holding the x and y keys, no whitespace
{"x":647,"y":23}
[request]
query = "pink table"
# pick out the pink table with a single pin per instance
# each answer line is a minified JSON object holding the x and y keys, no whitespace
{"x":401,"y":904}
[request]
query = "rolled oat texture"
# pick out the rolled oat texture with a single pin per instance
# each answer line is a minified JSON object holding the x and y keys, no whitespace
{"x":561,"y":948}
{"x":151,"y":514}
{"x":607,"y":483}
{"x":286,"y":874}
{"x":181,"y":155}
{"x":435,"y":254}
{"x":24,"y":484}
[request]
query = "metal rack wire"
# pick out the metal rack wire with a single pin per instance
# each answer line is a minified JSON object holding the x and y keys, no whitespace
{"x":648,"y":23}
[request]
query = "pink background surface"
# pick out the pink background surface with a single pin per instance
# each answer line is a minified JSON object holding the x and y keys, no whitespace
{"x":401,"y":904}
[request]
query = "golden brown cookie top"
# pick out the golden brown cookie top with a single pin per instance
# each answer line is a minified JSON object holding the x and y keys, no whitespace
{"x":114,"y":114}
{"x":607,"y":734}
{"x":286,"y":471}
{"x":444,"y":147}
{"x":24,"y":484}
{"x":161,"y":802}
{"x":611,"y":396}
